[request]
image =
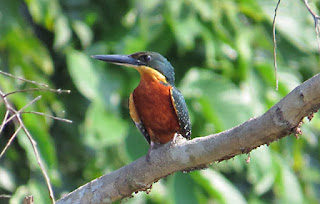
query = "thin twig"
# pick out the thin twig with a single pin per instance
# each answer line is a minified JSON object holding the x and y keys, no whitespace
{"x":16,"y":114}
{"x":13,"y":116}
{"x":3,"y":121}
{"x":38,"y":89}
{"x":10,"y":141}
{"x":49,"y":116}
{"x":34,"y":146}
{"x":6,"y":102}
{"x":275,"y":44}
{"x":316,"y":22}
{"x":22,"y":79}
{"x":24,"y":107}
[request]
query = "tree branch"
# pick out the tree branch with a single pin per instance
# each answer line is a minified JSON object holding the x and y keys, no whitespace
{"x":281,"y":120}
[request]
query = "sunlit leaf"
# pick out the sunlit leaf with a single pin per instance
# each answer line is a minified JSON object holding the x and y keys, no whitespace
{"x":44,"y":12}
{"x":84,"y":33}
{"x":83,"y":74}
{"x":261,"y":170}
{"x":220,"y":188}
{"x":62,"y":32}
{"x":6,"y":179}
{"x":287,"y":187}
{"x":27,"y":52}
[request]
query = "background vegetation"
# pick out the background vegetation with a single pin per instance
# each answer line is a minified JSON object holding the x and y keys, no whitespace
{"x":222,"y":52}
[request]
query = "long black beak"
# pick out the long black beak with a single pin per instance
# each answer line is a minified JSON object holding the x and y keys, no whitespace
{"x":126,"y":60}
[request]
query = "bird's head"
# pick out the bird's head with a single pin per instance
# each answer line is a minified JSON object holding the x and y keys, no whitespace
{"x":151,"y":63}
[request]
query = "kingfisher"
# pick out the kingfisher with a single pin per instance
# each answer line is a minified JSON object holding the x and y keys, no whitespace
{"x":156,"y":106}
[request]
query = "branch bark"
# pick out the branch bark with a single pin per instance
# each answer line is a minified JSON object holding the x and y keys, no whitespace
{"x":281,"y":120}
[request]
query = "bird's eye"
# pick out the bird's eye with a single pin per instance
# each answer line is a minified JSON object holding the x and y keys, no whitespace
{"x":147,"y":58}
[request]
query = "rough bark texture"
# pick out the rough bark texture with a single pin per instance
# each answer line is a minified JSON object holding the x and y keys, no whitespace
{"x":281,"y":120}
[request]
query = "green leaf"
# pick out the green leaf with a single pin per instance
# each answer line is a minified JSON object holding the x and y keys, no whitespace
{"x":83,"y":74}
{"x":183,"y":24}
{"x":184,"y":189}
{"x":298,"y":29}
{"x":204,"y":8}
{"x":102,"y":128}
{"x":27,"y":51}
{"x":45,"y":145}
{"x":44,"y":12}
{"x":261,"y":170}
{"x":7,"y":180}
{"x":20,"y":193}
{"x":84,"y":33}
{"x":209,"y":47}
{"x":288,"y":80}
{"x":62,"y":32}
{"x":131,"y":44}
{"x":287,"y":185}
{"x":220,"y":188}
{"x":95,"y":83}
{"x":222,"y":102}
{"x":244,"y":51}
{"x":136,"y":144}
{"x":34,"y":188}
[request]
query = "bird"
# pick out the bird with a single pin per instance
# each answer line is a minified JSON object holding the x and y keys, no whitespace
{"x":156,"y":106}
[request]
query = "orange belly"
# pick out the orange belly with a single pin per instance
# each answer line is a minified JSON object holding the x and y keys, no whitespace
{"x":155,"y":109}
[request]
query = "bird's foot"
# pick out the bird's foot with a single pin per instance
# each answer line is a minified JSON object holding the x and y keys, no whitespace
{"x":149,"y":152}
{"x":174,"y":139}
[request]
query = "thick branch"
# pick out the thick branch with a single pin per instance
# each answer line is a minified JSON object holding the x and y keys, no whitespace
{"x":281,"y":120}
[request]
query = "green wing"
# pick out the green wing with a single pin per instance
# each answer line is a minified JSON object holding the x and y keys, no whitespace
{"x":181,"y":109}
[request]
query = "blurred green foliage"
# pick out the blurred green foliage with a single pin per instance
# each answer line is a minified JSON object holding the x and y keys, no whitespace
{"x":222,"y":52}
